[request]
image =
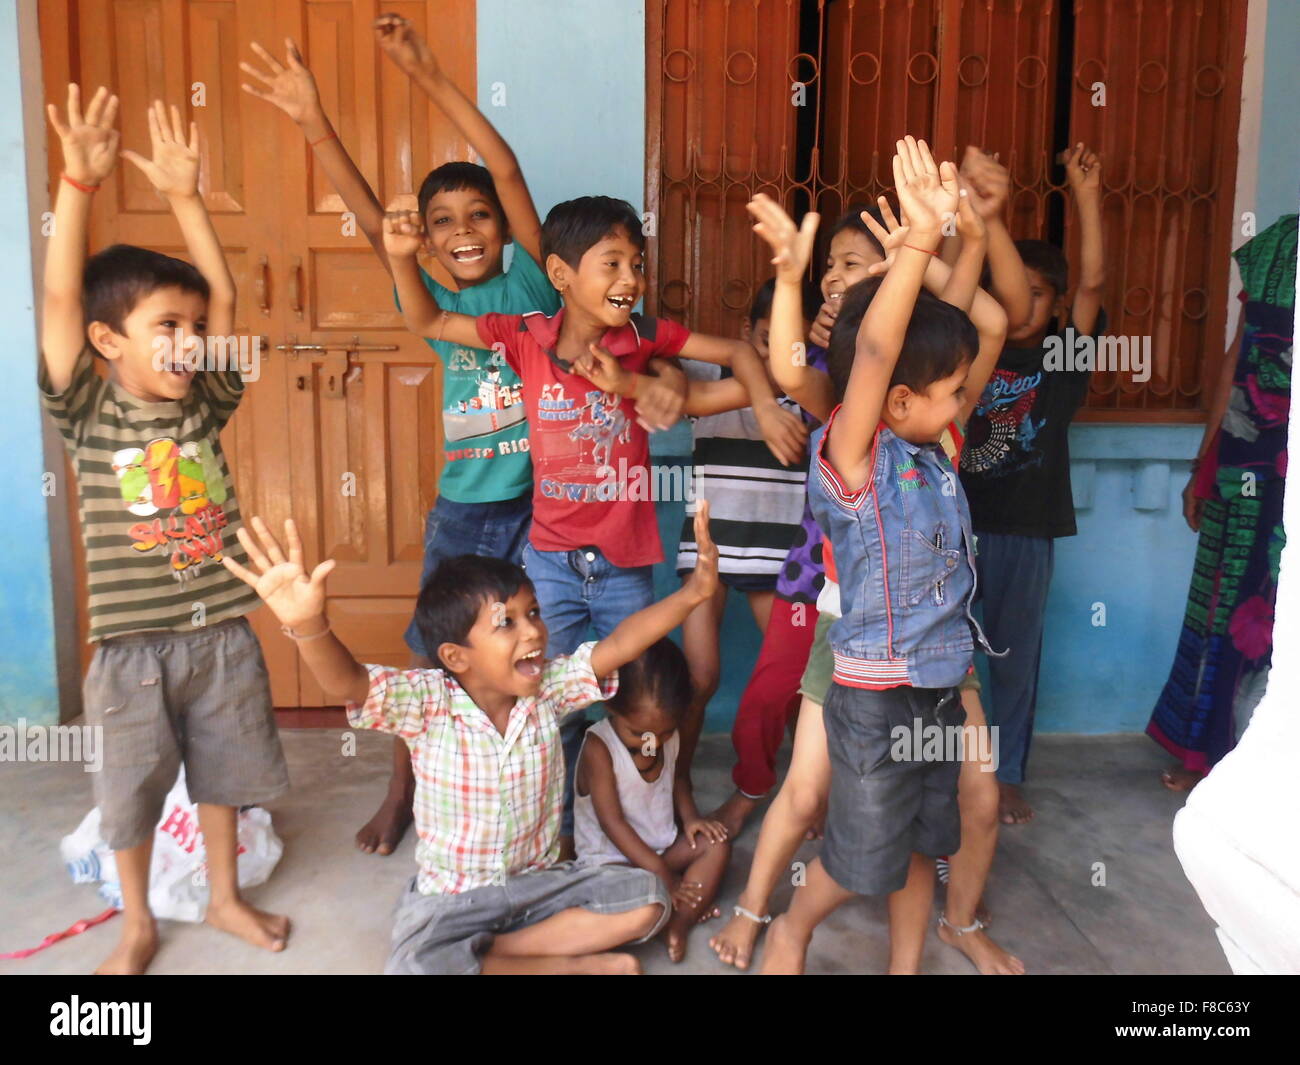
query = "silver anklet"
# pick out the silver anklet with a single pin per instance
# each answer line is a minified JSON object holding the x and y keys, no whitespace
{"x":740,"y":911}
{"x":957,"y":930}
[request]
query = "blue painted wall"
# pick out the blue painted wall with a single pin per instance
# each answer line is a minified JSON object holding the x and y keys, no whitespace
{"x":1279,"y":133}
{"x":28,"y":684}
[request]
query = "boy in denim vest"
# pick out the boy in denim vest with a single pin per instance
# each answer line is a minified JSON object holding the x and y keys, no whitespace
{"x":890,"y":502}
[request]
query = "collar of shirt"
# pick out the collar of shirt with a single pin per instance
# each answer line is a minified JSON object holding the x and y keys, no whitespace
{"x":624,"y":340}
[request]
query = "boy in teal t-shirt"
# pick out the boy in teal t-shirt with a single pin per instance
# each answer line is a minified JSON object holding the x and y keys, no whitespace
{"x":484,"y":504}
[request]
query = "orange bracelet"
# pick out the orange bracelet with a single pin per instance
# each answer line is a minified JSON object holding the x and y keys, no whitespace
{"x":322,"y":140}
{"x":915,"y":248}
{"x":78,"y":185}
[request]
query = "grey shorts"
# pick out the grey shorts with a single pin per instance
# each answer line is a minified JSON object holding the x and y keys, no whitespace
{"x":441,"y":935}
{"x":200,"y":698}
{"x":889,"y":795}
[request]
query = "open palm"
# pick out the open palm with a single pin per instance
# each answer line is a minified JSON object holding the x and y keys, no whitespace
{"x":282,"y":582}
{"x":290,"y":86}
{"x":89,"y":141}
{"x":174,"y":168}
{"x":927,"y":192}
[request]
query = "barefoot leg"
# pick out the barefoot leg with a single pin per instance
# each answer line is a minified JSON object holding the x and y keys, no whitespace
{"x":575,"y":932}
{"x":139,"y":941}
{"x":700,"y":644}
{"x":977,"y":799}
{"x":786,"y":949}
{"x":227,"y":909}
{"x":797,"y":807}
{"x":1013,"y":807}
{"x":909,"y":916}
{"x":735,"y":811}
{"x":384,"y":831}
{"x":704,"y":864}
{"x":1177,"y":778}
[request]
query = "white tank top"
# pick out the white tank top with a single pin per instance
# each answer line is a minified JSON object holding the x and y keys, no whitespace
{"x":647,"y":805}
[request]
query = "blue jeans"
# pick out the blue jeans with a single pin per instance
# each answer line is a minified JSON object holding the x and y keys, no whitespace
{"x":494,"y":530}
{"x":1014,"y":574}
{"x":580,"y":590}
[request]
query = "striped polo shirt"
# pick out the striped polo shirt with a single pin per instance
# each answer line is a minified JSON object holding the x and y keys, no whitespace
{"x":157,"y":511}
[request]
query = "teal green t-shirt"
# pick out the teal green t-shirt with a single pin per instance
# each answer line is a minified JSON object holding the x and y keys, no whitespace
{"x":485,"y":431}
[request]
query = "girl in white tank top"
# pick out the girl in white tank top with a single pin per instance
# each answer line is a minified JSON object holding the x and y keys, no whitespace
{"x":627,"y":801}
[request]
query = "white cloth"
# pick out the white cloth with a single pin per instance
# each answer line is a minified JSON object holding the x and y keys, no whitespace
{"x":647,"y":805}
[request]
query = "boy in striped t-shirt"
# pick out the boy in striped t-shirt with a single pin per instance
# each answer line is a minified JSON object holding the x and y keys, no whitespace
{"x":178,"y":676}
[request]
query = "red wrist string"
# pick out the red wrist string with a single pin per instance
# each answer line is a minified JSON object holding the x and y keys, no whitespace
{"x":78,"y":185}
{"x":322,"y":140}
{"x":927,"y":251}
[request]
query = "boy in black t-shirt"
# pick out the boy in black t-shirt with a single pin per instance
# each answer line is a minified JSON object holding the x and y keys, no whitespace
{"x":1015,"y":468}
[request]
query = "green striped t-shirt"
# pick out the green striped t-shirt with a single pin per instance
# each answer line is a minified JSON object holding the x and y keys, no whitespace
{"x":157,"y":510}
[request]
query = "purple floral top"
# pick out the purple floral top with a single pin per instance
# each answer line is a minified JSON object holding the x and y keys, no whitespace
{"x":803,"y":573}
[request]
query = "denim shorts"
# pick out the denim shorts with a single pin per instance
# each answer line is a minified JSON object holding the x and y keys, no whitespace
{"x":494,"y":530}
{"x":447,"y":935}
{"x":199,"y":698}
{"x":890,"y":796}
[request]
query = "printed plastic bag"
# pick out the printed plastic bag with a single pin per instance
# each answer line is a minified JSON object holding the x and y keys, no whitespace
{"x":178,"y":884}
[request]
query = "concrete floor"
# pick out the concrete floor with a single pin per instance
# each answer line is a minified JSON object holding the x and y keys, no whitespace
{"x":1098,"y":800}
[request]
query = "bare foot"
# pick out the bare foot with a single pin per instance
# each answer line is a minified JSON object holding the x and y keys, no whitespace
{"x":1013,"y":807}
{"x":607,"y":964}
{"x":783,"y":953}
{"x":383,"y":832}
{"x":734,"y":945}
{"x":708,"y":915}
{"x":1176,"y":778}
{"x":134,"y":951}
{"x":984,"y":954}
{"x":675,"y":938}
{"x":735,"y":812}
{"x":270,"y":931}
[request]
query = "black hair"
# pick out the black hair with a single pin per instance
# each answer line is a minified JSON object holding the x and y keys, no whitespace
{"x":450,"y":600}
{"x":761,"y":308}
{"x":120,"y":276}
{"x":573,"y":227}
{"x":453,"y":177}
{"x":1048,"y":260}
{"x":940,"y":338}
{"x":660,"y":675}
{"x":852,"y":219}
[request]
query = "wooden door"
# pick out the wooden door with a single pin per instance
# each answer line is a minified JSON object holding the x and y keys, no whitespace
{"x":346,"y":439}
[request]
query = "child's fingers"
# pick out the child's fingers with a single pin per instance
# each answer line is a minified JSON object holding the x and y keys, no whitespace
{"x":901,"y":177}
{"x":74,"y":104}
{"x":248,"y":68}
{"x":269,"y":543}
{"x":56,"y":121}
{"x":927,"y":160}
{"x":267,"y":58}
{"x":144,"y":164}
{"x":293,"y":541}
{"x":247,"y":576}
{"x":948,"y":177}
{"x":178,"y":128}
{"x":194,"y":138}
{"x":808,"y":231}
{"x":95,"y":106}
{"x":254,"y":552}
{"x":109,"y":116}
{"x":887,"y":213}
{"x":322,"y":571}
{"x":292,"y":54}
{"x":877,"y":230}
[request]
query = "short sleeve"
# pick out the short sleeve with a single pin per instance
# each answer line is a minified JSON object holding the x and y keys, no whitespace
{"x":221,"y":390}
{"x":829,"y":477}
{"x":569,"y":685}
{"x":502,"y":329}
{"x":529,"y":282}
{"x":402,"y":701}
{"x":668,"y":339}
{"x":1077,"y":389}
{"x":71,"y":408}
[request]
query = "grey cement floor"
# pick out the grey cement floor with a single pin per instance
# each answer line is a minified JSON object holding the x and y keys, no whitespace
{"x":1098,"y":800}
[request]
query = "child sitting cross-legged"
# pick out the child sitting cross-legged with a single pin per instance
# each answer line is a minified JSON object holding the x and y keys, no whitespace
{"x":627,"y":792}
{"x":483,"y":731}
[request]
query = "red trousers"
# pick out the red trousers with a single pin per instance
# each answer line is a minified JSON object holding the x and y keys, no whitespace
{"x":772,"y":695}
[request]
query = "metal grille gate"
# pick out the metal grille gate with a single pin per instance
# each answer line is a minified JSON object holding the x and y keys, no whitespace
{"x":725,"y":120}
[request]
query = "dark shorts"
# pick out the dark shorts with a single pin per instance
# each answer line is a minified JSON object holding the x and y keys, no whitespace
{"x":494,"y":530}
{"x":447,"y":935}
{"x":163,"y":699}
{"x":890,"y":794}
{"x":742,"y":582}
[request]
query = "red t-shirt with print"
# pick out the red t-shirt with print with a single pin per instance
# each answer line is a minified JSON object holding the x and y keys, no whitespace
{"x":592,"y":481}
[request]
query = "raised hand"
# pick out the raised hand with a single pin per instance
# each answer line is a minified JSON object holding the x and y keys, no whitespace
{"x":89,"y":141}
{"x":791,"y":246}
{"x":174,"y":168}
{"x":892,"y":236}
{"x":927,"y":192}
{"x":1083,"y":168}
{"x":289,"y":86}
{"x":603,"y":370}
{"x":404,"y":233}
{"x":282,"y":583}
{"x":971,"y":226}
{"x":703,"y":581}
{"x":400,"y":42}
{"x":987,"y":180}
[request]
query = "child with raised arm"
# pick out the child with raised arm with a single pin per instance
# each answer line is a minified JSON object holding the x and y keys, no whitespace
{"x":889,"y":501}
{"x":471,"y":213}
{"x":594,"y":536}
{"x":483,"y":732}
{"x":626,"y":807}
{"x":178,"y":677}
{"x":1016,"y":469}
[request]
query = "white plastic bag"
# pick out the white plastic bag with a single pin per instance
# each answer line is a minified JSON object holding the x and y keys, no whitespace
{"x":178,"y":884}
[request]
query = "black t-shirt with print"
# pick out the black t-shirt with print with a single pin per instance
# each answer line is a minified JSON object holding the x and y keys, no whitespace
{"x":1015,"y":463}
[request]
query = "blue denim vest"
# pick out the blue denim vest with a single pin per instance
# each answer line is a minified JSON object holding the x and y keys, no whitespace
{"x":904,"y":554}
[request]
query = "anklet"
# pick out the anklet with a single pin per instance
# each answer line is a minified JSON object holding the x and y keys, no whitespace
{"x":957,"y":930}
{"x":740,"y":911}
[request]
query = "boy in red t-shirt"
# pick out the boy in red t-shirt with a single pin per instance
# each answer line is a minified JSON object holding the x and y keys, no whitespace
{"x":594,"y":536}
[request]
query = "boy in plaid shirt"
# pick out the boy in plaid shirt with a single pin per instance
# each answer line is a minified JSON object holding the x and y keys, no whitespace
{"x":483,"y":731}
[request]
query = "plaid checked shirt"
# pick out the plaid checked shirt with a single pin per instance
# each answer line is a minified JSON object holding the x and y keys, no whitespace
{"x":487,"y":806}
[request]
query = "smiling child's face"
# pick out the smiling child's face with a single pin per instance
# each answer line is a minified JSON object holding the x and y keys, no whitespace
{"x":466,"y":234}
{"x":167,"y":321}
{"x":850,"y":253}
{"x":502,"y":655}
{"x":609,"y":280}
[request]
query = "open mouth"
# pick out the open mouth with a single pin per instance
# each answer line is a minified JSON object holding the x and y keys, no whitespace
{"x":530,"y":665}
{"x":467,"y":253}
{"x":621,"y":303}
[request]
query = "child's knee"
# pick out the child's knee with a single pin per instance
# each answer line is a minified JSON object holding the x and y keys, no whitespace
{"x":978,"y":803}
{"x":807,"y":804}
{"x":644,"y":920}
